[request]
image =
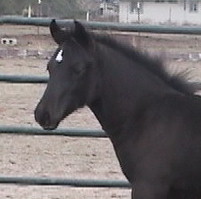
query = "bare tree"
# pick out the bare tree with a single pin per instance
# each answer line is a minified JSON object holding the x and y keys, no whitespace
{"x":87,"y":5}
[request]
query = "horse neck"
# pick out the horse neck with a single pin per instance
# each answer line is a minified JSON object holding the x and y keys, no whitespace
{"x":125,"y":88}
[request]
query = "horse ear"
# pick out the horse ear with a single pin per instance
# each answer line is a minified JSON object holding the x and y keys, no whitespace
{"x":57,"y":33}
{"x":81,"y":35}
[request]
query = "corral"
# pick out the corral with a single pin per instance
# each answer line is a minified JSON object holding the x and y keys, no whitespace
{"x":66,"y":157}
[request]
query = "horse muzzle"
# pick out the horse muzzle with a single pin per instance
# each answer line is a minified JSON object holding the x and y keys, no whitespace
{"x":43,"y":118}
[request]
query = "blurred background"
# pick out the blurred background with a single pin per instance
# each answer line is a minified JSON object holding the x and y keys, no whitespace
{"x":62,"y":8}
{"x":174,"y":12}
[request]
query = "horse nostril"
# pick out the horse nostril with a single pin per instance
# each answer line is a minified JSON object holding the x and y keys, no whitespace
{"x":46,"y":119}
{"x":43,"y":118}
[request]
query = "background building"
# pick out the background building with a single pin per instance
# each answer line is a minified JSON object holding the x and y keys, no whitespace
{"x":180,"y":12}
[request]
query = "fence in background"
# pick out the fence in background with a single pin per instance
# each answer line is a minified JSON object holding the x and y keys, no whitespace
{"x":74,"y":132}
{"x":194,"y":30}
{"x":59,"y":132}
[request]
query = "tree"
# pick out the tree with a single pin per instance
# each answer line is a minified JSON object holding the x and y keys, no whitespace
{"x":13,"y":6}
{"x":63,"y":8}
{"x":57,"y":8}
{"x":6,"y":7}
{"x":87,"y":5}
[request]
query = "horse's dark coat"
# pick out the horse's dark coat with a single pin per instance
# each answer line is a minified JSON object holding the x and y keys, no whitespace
{"x":152,"y":119}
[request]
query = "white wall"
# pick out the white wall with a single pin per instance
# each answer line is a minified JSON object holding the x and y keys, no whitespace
{"x":157,"y":13}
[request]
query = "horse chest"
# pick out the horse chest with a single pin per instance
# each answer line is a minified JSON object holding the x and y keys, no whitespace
{"x":126,"y":154}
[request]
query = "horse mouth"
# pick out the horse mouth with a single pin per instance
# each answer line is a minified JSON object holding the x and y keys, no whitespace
{"x":50,"y":127}
{"x":49,"y":122}
{"x":45,"y":121}
{"x":53,"y":124}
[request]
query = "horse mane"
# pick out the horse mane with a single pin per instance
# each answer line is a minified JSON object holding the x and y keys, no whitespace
{"x":154,"y":64}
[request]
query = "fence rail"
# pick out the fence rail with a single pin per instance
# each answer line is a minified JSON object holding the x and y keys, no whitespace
{"x":123,"y":27}
{"x":23,"y":79}
{"x":58,"y":132}
{"x":44,"y":181}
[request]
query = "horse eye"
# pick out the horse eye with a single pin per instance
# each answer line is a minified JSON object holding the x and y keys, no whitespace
{"x":78,"y":68}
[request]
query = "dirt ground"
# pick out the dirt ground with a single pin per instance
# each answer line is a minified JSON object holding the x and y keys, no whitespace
{"x":87,"y":158}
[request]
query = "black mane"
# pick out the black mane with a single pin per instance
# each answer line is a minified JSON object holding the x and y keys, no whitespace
{"x":154,"y":64}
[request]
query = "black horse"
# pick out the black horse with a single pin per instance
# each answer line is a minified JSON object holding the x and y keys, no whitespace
{"x":152,"y":119}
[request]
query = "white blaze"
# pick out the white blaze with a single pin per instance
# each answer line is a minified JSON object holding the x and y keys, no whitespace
{"x":59,"y":56}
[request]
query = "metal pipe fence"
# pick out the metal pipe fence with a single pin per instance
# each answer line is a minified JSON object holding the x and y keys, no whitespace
{"x":73,"y":132}
{"x":123,"y":27}
{"x":58,"y":132}
{"x":23,"y":79}
{"x":45,"y":181}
